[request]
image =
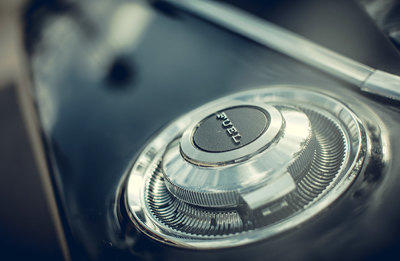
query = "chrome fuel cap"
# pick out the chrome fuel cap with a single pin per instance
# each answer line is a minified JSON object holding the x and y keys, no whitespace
{"x":245,"y":167}
{"x":230,"y":132}
{"x":247,"y":150}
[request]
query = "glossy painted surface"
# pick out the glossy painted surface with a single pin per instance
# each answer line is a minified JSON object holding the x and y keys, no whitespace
{"x":109,"y":75}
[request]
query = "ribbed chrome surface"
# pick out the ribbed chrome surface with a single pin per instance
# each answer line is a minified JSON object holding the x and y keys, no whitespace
{"x":227,"y":185}
{"x":314,"y":171}
{"x":327,"y":160}
{"x":199,"y":198}
{"x":271,"y":190}
{"x":187,"y":218}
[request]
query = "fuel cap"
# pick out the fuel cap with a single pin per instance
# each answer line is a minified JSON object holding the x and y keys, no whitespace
{"x":214,"y":178}
{"x":245,"y":167}
{"x":229,"y":132}
{"x":230,"y":129}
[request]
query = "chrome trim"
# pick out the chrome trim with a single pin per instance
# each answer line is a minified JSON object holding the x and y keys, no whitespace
{"x":224,"y":186}
{"x":356,"y":149}
{"x":282,"y":185}
{"x":295,"y":46}
{"x":383,"y":83}
{"x":200,"y":157}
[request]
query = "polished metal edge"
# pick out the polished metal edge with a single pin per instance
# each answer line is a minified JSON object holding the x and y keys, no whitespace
{"x":383,"y":83}
{"x":190,"y":182}
{"x":281,"y":40}
{"x":140,"y":212}
{"x":200,"y":157}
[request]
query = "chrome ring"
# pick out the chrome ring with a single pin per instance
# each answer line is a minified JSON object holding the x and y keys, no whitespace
{"x":197,"y":156}
{"x":145,"y":177}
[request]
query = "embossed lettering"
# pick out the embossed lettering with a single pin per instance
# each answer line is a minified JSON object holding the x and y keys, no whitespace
{"x":230,"y":129}
{"x":236,"y":138}
{"x":222,"y":116}
{"x":227,"y":123}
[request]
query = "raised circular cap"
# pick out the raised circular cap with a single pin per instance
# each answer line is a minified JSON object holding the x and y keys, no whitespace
{"x":271,"y":157}
{"x":307,"y":157}
{"x":230,"y":133}
{"x":230,"y":129}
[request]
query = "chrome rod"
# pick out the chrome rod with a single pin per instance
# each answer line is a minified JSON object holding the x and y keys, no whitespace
{"x":295,"y":46}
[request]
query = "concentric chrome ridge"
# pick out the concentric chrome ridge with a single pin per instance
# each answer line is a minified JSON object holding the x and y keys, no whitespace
{"x":193,"y":154}
{"x":200,"y":185}
{"x":328,"y":160}
{"x":339,"y":153}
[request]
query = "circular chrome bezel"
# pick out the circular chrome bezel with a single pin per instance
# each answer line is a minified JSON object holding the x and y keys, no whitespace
{"x":141,"y":214}
{"x":226,"y":185}
{"x":200,"y":157}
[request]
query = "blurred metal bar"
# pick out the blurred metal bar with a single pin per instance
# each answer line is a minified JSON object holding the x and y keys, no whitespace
{"x":32,"y":220}
{"x":295,"y":46}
